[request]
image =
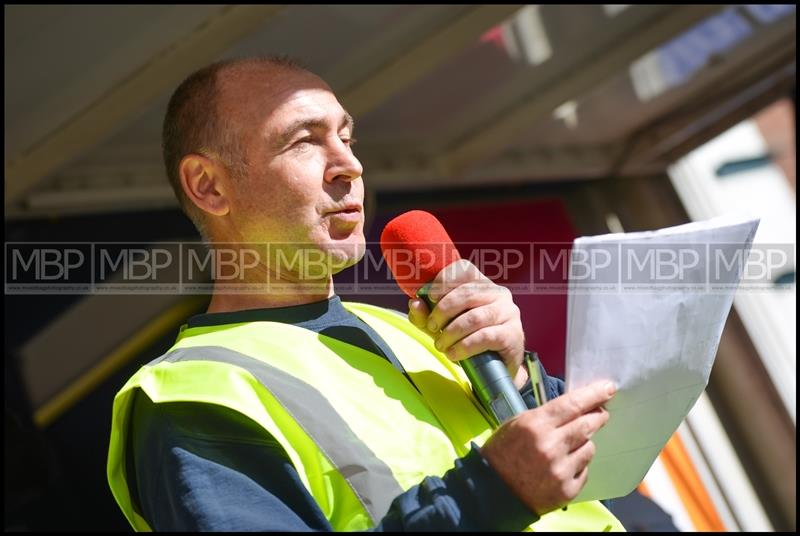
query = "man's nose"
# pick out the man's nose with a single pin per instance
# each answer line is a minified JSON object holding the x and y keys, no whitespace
{"x":343,"y":164}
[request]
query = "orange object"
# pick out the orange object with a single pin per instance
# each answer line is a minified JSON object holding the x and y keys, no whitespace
{"x":690,"y":488}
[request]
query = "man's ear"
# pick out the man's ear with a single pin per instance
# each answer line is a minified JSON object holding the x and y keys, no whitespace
{"x":204,"y":181}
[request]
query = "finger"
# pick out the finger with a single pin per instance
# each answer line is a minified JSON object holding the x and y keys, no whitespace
{"x":575,"y":403}
{"x":577,"y":483}
{"x":580,"y":458}
{"x":418,"y":312}
{"x":462,"y":298}
{"x":571,"y":487}
{"x":576,"y":471}
{"x":579,"y":431}
{"x":466,"y":324}
{"x":493,"y":338}
{"x":452,"y":276}
{"x":582,"y":477}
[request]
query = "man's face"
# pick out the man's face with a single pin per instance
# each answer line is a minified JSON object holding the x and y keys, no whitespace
{"x":303,"y":192}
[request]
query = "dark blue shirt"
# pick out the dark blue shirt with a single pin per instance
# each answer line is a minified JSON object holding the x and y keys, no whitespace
{"x":205,"y":467}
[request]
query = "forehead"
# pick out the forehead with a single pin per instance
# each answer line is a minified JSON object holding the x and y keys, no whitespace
{"x":272,"y":98}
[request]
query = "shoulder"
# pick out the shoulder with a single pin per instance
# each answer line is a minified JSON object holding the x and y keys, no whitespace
{"x":189,"y":422}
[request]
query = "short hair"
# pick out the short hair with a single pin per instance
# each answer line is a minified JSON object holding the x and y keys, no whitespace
{"x":193,"y":125}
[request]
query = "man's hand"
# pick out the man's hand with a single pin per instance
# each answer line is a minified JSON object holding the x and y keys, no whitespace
{"x":543,"y":453}
{"x":472,"y":315}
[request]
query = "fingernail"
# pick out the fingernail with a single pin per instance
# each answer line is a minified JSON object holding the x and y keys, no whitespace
{"x":611,"y":388}
{"x":431,"y":325}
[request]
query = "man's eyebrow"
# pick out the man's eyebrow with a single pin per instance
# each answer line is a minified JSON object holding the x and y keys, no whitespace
{"x":347,"y":121}
{"x":311,"y":124}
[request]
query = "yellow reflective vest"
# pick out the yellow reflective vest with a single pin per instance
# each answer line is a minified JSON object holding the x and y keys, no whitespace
{"x":358,"y":433}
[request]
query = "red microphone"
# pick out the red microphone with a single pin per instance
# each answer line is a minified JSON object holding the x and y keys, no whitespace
{"x":416,"y":248}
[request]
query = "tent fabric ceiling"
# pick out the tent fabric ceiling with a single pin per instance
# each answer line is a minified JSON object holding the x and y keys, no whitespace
{"x":443,"y":95}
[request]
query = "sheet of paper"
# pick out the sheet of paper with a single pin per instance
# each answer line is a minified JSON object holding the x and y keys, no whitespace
{"x":646,"y":310}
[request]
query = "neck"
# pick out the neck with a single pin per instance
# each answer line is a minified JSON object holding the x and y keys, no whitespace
{"x":285,"y":288}
{"x":286,"y":295}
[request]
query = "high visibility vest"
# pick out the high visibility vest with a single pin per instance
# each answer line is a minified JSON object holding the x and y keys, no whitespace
{"x":358,"y":433}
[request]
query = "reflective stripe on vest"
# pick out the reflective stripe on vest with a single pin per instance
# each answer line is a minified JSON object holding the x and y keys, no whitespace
{"x":370,"y":478}
{"x":355,"y":429}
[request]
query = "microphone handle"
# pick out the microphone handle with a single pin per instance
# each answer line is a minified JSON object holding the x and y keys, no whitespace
{"x":488,"y":375}
{"x":493,"y":386}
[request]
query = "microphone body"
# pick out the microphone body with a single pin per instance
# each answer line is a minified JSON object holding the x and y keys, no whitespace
{"x":422,"y":236}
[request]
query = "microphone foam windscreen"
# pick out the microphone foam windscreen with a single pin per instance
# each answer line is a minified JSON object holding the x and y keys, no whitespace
{"x":416,"y":248}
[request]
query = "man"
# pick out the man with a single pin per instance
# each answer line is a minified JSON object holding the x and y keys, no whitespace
{"x":286,"y":409}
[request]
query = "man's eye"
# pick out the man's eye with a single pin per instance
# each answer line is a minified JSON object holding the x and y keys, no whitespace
{"x":348,"y":141}
{"x":302,"y":142}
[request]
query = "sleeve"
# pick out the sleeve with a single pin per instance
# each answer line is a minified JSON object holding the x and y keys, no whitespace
{"x":205,"y":468}
{"x":470,"y":497}
{"x":202,"y":467}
